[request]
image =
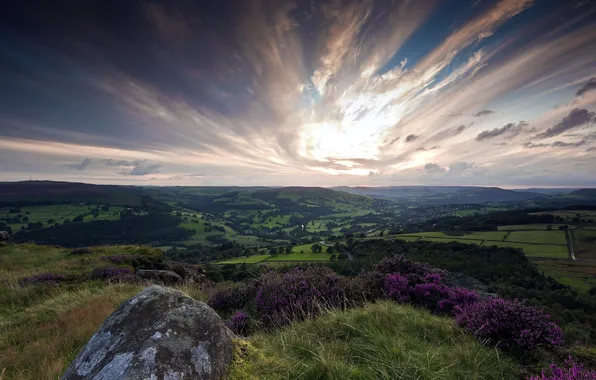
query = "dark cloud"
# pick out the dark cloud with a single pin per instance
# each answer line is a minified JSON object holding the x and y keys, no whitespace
{"x":393,"y":141}
{"x":558,"y":144}
{"x":80,"y":166}
{"x":576,"y":118}
{"x":110,"y":162}
{"x":142,"y":169}
{"x":591,"y":149}
{"x":510,"y":128}
{"x":483,"y":113}
{"x":590,"y":86}
{"x":462,"y":166}
{"x":423,"y":149}
{"x":459,"y":130}
{"x":434,"y":168}
{"x":411,"y":137}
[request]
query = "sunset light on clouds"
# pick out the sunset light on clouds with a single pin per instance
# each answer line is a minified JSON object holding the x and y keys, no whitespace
{"x":319,"y":93}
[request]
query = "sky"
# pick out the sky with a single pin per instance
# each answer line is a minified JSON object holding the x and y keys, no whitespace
{"x":303,"y":92}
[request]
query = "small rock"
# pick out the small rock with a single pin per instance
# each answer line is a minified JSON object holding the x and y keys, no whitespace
{"x":4,"y":235}
{"x":160,"y":333}
{"x":165,"y":276}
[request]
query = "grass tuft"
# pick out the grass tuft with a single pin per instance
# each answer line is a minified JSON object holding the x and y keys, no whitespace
{"x":379,"y":341}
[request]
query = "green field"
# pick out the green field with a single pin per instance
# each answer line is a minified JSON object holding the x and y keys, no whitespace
{"x":450,"y":239}
{"x":246,"y":260}
{"x":536,"y":250}
{"x":577,"y":274}
{"x":306,"y":248}
{"x":543,"y":226}
{"x":59,"y":213}
{"x":301,"y":257}
{"x":403,"y":237}
{"x":556,"y":247}
{"x":544,"y":237}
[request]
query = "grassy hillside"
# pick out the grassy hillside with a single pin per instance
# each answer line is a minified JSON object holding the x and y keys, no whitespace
{"x":46,"y":192}
{"x":379,"y":341}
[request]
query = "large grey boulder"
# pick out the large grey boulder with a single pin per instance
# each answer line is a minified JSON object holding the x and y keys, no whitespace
{"x":159,"y":334}
{"x":165,"y":276}
{"x":4,"y":235}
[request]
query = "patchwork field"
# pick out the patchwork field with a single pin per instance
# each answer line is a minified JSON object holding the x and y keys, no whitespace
{"x":580,"y":275}
{"x":301,"y":257}
{"x":542,"y":237}
{"x":547,"y":244}
{"x":247,"y":260}
{"x":50,"y":214}
{"x":543,"y":226}
{"x":536,"y":250}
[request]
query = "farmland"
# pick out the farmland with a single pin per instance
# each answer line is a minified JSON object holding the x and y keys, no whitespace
{"x":60,"y":213}
{"x":547,"y":244}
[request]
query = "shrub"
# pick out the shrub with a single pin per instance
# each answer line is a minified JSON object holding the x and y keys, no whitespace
{"x":298,"y":294}
{"x":397,"y":287}
{"x":43,"y":279}
{"x":233,"y":296}
{"x":569,"y":371}
{"x":113,"y":274}
{"x":239,"y":323}
{"x":509,"y":324}
{"x":399,"y":264}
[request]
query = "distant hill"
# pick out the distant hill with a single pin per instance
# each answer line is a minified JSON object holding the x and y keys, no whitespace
{"x":299,"y":200}
{"x":48,"y":192}
{"x":445,"y":194}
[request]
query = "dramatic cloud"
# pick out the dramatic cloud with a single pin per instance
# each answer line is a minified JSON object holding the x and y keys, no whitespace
{"x":590,"y":86}
{"x":483,"y":113}
{"x":511,"y":129}
{"x":281,"y":92}
{"x":80,"y":166}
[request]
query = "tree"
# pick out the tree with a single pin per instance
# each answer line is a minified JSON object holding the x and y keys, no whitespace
{"x":342,"y":256}
{"x":549,"y":227}
{"x":272,"y":251}
{"x":333,"y":258}
{"x":381,"y":234}
{"x":330,"y":249}
{"x":316,"y":248}
{"x":281,"y":250}
{"x":288,"y":249}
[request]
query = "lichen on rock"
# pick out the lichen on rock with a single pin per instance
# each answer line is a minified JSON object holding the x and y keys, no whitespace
{"x":160,"y":333}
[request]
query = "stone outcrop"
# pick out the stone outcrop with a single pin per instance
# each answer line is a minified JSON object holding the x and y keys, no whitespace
{"x":165,"y":276}
{"x":4,"y":235}
{"x":158,"y":334}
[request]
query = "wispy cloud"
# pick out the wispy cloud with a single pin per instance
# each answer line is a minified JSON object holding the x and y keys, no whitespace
{"x":306,"y":93}
{"x":576,"y":118}
{"x":510,"y":129}
{"x":81,"y":165}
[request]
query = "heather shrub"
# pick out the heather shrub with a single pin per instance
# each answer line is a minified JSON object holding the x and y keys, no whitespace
{"x":234,"y":296}
{"x":569,"y":371}
{"x":365,"y":287}
{"x":113,"y":274}
{"x":43,"y":279}
{"x":399,"y":264}
{"x":397,"y":287}
{"x":297,"y":294}
{"x":239,"y":323}
{"x":509,"y":324}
